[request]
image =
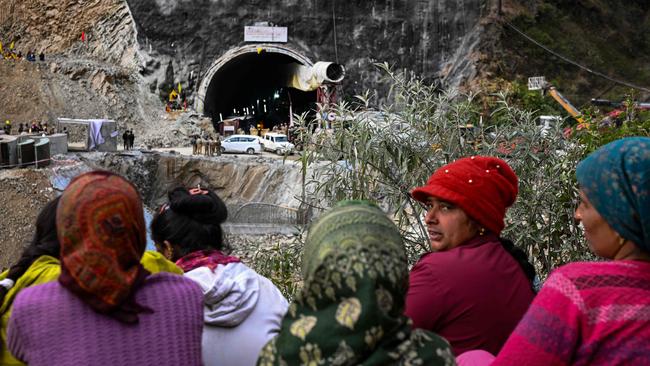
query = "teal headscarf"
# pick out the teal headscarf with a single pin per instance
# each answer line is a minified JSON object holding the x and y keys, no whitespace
{"x":350,"y":310}
{"x":616,"y":180}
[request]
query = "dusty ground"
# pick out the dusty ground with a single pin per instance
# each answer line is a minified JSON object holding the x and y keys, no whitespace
{"x":22,"y":194}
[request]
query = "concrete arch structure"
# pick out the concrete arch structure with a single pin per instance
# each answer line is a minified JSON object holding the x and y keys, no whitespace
{"x":235,"y":54}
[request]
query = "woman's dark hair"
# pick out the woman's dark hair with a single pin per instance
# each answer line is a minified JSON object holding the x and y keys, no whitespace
{"x":520,"y":256}
{"x":44,"y":242}
{"x":191,"y":221}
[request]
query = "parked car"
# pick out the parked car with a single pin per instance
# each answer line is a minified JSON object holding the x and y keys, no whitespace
{"x":241,"y":144}
{"x":277,"y":143}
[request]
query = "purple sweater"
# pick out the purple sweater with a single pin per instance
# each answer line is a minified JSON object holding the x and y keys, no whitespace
{"x":51,"y":326}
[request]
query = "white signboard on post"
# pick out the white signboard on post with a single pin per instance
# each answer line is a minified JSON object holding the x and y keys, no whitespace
{"x":536,"y":83}
{"x":265,"y":34}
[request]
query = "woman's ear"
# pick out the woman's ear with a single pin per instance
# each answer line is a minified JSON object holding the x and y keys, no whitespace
{"x":167,"y":250}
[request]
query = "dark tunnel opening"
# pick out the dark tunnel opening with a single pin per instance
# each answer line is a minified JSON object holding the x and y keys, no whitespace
{"x":252,"y":87}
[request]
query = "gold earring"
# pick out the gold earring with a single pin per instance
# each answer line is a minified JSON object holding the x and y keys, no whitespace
{"x":621,"y":241}
{"x":481,"y":231}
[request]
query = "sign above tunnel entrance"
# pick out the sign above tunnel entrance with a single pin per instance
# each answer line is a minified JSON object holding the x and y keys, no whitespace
{"x":265,"y":34}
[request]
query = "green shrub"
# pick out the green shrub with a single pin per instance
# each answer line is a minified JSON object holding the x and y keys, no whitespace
{"x":600,"y":130}
{"x":281,"y":264}
{"x":381,"y":155}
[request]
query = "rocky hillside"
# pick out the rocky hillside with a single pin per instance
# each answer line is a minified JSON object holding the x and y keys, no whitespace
{"x":96,"y":78}
{"x":134,"y":50}
{"x":609,"y":36}
{"x":22,"y":195}
{"x":436,"y":39}
{"x":133,"y":47}
{"x":56,"y":28}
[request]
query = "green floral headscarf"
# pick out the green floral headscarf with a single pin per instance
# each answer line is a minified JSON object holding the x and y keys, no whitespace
{"x":350,"y":310}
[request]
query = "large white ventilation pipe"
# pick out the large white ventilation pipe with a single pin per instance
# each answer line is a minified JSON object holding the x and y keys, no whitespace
{"x":309,"y":78}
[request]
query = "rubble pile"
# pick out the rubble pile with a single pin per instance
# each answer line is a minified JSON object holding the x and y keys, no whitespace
{"x":175,"y":129}
{"x":248,"y":247}
{"x":23,"y":193}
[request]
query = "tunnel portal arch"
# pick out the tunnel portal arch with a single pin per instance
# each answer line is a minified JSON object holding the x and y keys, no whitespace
{"x":244,"y":74}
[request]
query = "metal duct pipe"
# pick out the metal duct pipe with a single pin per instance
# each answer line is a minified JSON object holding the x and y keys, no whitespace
{"x":310,"y":78}
{"x":328,"y":71}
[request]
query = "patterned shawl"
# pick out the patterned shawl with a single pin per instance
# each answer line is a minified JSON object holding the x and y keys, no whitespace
{"x":205,"y":258}
{"x":350,"y":310}
{"x":100,"y":225}
{"x":616,"y":180}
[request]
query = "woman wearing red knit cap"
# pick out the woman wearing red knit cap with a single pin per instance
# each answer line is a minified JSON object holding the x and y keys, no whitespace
{"x":474,"y":286}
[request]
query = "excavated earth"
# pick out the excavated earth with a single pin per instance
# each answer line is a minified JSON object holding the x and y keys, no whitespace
{"x":22,"y":194}
{"x":237,"y":179}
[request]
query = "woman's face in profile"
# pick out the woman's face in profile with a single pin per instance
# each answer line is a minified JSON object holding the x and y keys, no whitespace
{"x":448,"y":226}
{"x":602,"y":239}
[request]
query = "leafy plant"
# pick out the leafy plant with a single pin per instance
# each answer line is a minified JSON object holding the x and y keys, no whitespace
{"x":281,"y":264}
{"x":381,"y":154}
{"x":624,"y":122}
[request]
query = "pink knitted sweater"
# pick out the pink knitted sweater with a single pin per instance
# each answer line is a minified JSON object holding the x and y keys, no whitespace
{"x":51,"y":326}
{"x":586,"y":314}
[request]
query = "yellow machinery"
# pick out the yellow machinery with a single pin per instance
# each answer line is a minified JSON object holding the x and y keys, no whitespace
{"x":573,"y":111}
{"x":540,"y":83}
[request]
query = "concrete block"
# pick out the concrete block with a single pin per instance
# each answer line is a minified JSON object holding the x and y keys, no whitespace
{"x":58,"y":144}
{"x":42,"y":152}
{"x":8,"y":155}
{"x":26,"y":152}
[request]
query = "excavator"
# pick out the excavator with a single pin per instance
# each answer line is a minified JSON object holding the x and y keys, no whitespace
{"x":573,"y":111}
{"x":539,"y":83}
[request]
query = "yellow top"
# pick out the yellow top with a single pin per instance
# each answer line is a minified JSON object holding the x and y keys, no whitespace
{"x":46,"y":269}
{"x":155,"y":262}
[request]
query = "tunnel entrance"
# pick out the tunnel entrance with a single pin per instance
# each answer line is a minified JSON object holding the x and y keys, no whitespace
{"x":248,"y":83}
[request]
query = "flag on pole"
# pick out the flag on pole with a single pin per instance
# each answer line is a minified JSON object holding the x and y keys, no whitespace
{"x":83,"y":36}
{"x":179,"y":87}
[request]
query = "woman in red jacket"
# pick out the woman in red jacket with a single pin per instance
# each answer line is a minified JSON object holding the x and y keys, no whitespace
{"x":474,"y":286}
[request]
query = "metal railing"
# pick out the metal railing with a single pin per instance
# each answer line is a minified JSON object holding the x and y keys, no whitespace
{"x":268,"y":213}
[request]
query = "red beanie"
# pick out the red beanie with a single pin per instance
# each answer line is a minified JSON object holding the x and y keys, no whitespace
{"x":484,"y":187}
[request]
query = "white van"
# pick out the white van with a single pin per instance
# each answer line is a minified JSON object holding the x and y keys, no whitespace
{"x":240,"y":144}
{"x":277,"y":142}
